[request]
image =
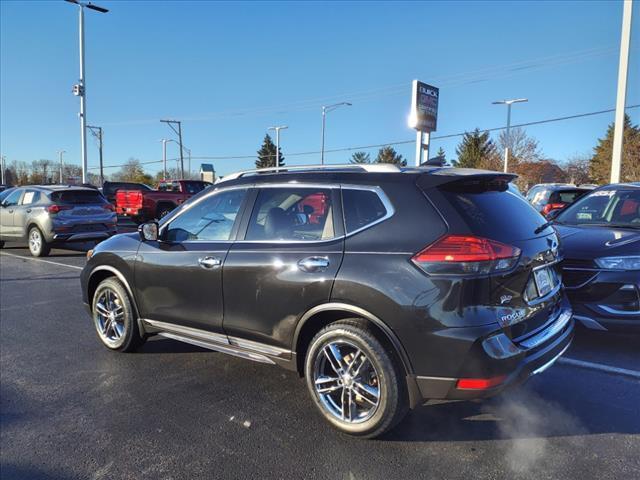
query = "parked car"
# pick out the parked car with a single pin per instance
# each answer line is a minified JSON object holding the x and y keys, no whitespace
{"x":54,"y":214}
{"x":109,"y":189}
{"x":382,"y":286}
{"x":4,"y":187}
{"x":601,"y":267}
{"x":552,"y":196}
{"x":142,"y":205}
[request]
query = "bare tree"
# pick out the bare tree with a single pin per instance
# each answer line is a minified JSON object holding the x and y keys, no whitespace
{"x":522,"y":147}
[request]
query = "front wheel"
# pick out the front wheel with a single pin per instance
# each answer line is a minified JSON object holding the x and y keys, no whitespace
{"x":38,"y":246}
{"x":355,"y":382}
{"x":114,"y":317}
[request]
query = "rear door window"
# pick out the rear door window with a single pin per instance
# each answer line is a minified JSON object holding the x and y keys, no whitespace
{"x":500,"y":215}
{"x":31,"y":197}
{"x":78,"y":197}
{"x":361,"y":208}
{"x":293,"y":214}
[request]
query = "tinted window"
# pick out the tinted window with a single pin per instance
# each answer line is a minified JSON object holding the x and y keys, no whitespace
{"x":361,"y":208}
{"x":567,"y":196}
{"x":292,"y":214}
{"x":604,"y":207}
{"x":540,"y":198}
{"x":208,"y":220}
{"x":31,"y":197}
{"x":194,"y":187}
{"x":13,"y":198}
{"x":501,"y":216}
{"x":77,"y":197}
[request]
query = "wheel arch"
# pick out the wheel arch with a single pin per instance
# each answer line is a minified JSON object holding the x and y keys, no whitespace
{"x":322,"y":315}
{"x":102,"y":272}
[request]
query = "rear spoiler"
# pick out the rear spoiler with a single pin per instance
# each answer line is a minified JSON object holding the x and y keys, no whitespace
{"x":466,"y":180}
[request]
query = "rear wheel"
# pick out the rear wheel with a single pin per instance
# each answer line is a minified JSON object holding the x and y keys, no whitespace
{"x":114,"y":317}
{"x":356,"y":384}
{"x":38,"y":246}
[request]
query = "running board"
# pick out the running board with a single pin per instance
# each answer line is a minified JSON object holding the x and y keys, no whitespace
{"x":213,"y":341}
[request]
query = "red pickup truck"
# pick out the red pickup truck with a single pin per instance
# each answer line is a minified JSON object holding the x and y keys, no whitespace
{"x":144,"y":205}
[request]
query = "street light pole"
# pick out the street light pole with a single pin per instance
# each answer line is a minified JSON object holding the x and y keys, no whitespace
{"x":277,"y":129}
{"x":326,"y":109}
{"x":188,"y":162}
{"x":164,"y":158}
{"x":179,"y":133}
{"x":618,"y":131}
{"x":2,"y":168}
{"x":60,"y":152}
{"x":99,"y":137}
{"x":80,"y":89}
{"x":508,"y":103}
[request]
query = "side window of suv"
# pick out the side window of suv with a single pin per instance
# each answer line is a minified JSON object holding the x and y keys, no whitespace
{"x":361,"y":208}
{"x":211,"y":219}
{"x":294,"y":214}
{"x":31,"y":197}
{"x":13,"y":198}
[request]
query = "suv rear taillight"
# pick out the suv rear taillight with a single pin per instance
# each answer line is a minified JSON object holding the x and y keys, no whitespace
{"x":58,"y":208}
{"x":466,"y":255}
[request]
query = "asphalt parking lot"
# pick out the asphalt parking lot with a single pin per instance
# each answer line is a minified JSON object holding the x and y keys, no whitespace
{"x":71,"y":409}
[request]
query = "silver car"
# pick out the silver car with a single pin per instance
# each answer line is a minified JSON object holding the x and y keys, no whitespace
{"x":50,"y":214}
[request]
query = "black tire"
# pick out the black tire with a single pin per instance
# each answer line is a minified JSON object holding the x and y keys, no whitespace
{"x":163,"y":211}
{"x":38,"y":246}
{"x":1,"y":244}
{"x":129,"y":337}
{"x":384,"y":368}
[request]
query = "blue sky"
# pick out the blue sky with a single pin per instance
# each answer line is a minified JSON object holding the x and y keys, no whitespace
{"x":230,"y":70}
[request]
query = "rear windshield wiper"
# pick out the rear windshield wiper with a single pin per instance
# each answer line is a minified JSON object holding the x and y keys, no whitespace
{"x":543,"y":226}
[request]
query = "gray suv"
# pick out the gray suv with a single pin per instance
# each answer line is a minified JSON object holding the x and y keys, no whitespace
{"x":45,"y":215}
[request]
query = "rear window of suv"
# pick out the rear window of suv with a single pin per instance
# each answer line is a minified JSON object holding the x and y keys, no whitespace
{"x":501,"y":215}
{"x":77,"y":197}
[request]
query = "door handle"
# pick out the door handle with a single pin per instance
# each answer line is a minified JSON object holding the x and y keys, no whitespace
{"x":209,"y":262}
{"x":313,"y":264}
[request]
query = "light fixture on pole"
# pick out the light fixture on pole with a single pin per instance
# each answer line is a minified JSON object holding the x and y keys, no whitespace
{"x":179,"y":133}
{"x":326,"y":109}
{"x":79,"y":89}
{"x":277,"y":129}
{"x":60,"y":152}
{"x":508,"y":103}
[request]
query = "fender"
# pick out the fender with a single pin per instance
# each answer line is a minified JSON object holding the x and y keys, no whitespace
{"x":124,"y":281}
{"x":360,"y":312}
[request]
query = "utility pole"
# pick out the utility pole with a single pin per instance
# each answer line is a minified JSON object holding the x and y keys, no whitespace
{"x":164,"y":158}
{"x":188,"y":162}
{"x":277,"y":129}
{"x":508,"y":103}
{"x":179,"y":133}
{"x":60,"y":152}
{"x":326,"y":109}
{"x":2,"y":167}
{"x":80,"y":89}
{"x":99,"y":137}
{"x":623,"y":67}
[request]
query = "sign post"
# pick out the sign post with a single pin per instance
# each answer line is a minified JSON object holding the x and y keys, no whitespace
{"x":424,"y":116}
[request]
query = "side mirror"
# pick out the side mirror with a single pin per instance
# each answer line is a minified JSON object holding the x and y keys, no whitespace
{"x":148,"y":232}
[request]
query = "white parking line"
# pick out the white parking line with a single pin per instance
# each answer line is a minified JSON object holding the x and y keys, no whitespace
{"x":600,"y":367}
{"x":40,"y":260}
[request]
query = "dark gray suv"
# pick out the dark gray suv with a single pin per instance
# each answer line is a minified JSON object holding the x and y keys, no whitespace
{"x":383,"y":287}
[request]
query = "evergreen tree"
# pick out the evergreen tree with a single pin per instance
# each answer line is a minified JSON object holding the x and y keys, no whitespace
{"x":360,"y":157}
{"x":389,"y":155}
{"x":267,"y":154}
{"x":475,"y":149}
{"x":441,"y":153}
{"x":600,"y":164}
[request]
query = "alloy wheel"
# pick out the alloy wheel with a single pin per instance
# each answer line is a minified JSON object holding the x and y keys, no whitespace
{"x":109,"y":316}
{"x":35,"y":241}
{"x":346,"y":382}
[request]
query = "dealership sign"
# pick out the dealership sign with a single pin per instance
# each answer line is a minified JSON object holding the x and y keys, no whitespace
{"x":424,"y":107}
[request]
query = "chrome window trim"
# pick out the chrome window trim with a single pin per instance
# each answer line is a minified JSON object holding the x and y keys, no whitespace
{"x":615,"y":311}
{"x":292,"y":184}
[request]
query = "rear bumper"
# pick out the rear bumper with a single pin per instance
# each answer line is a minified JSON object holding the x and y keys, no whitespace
{"x":526,"y":358}
{"x":81,"y":237}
